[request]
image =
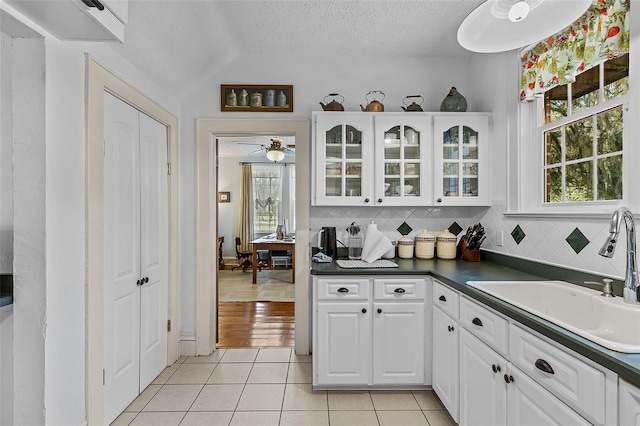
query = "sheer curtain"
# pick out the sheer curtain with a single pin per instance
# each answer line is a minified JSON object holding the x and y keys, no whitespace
{"x":267,"y":193}
{"x":245,"y":231}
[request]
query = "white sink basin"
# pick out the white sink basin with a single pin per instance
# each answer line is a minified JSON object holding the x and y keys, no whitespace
{"x":606,"y":321}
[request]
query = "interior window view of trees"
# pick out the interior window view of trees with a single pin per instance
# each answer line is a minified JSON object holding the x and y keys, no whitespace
{"x":582,"y":132}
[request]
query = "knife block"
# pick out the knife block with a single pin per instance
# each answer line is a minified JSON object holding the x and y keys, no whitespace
{"x":466,"y":254}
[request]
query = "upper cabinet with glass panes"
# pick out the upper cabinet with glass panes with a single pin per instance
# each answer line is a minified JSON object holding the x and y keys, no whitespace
{"x":461,"y":153}
{"x":397,"y":159}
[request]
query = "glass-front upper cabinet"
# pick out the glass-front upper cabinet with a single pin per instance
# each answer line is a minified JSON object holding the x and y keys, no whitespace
{"x":343,"y":159}
{"x":402,"y":159}
{"x":461,"y":144}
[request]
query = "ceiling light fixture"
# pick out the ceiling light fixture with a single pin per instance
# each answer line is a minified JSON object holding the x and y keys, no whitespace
{"x":502,"y":25}
{"x":275,"y":152}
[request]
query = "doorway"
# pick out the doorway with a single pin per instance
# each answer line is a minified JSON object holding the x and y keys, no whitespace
{"x":256,"y":196}
{"x":206,"y":233}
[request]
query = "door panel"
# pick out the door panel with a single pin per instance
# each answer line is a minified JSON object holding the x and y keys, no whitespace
{"x":121,"y":256}
{"x":154,"y":250}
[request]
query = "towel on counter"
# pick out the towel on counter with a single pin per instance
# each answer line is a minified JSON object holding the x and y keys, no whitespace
{"x":375,"y":244}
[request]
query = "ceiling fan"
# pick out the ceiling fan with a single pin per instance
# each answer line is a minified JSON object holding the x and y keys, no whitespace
{"x":275,"y":151}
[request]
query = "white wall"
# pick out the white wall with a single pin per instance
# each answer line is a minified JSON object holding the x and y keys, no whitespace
{"x":313,"y":78}
{"x":49,"y":308}
{"x":6,"y":152}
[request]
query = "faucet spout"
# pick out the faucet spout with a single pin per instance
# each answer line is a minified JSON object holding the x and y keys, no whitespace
{"x":631,"y":291}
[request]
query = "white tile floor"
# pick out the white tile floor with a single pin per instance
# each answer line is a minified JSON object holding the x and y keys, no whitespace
{"x":269,"y":387}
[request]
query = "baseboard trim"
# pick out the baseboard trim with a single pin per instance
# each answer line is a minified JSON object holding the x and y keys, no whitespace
{"x":187,"y":345}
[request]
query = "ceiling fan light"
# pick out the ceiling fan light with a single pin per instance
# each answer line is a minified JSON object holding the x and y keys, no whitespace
{"x":519,"y":11}
{"x":275,"y":152}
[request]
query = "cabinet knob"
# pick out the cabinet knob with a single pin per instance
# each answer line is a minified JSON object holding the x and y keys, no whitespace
{"x":94,"y":3}
{"x":543,"y":365}
{"x":138,"y":282}
{"x":495,"y":368}
{"x":379,"y":200}
{"x":450,"y":328}
{"x":442,"y":298}
{"x":379,"y":310}
{"x":343,"y":290}
{"x":146,"y":279}
{"x":366,"y":200}
{"x":477,"y":321}
{"x":364,"y":310}
{"x":508,"y":379}
{"x":439,"y":200}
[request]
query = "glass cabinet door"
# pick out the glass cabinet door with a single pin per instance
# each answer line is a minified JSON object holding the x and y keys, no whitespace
{"x":460,"y":162}
{"x":343,"y":161}
{"x":402,"y":159}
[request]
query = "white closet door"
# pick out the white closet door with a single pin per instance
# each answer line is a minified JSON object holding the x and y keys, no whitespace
{"x":154,"y":249}
{"x":121,"y":256}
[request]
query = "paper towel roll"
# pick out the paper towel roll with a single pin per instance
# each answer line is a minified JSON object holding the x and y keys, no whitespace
{"x":378,"y":245}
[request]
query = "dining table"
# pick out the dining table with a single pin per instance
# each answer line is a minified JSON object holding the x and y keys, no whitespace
{"x":271,"y":243}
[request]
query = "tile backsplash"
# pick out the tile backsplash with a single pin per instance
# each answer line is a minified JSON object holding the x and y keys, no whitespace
{"x":568,"y":243}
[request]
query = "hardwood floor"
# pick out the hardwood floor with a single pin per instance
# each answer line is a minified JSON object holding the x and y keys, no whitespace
{"x":256,"y":325}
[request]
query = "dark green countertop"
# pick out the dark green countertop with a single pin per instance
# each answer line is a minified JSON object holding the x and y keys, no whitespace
{"x":493,"y":267}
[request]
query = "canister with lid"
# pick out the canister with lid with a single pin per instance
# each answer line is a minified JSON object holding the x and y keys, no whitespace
{"x":405,"y":247}
{"x":425,"y":244}
{"x":446,"y":245}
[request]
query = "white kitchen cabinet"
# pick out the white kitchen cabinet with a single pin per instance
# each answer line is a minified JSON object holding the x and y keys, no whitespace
{"x":402,"y":159}
{"x":629,"y":404}
{"x":343,"y":159}
{"x":483,"y":390}
{"x":445,"y":369}
{"x":365,"y":338}
{"x":74,"y":20}
{"x":461,"y":159}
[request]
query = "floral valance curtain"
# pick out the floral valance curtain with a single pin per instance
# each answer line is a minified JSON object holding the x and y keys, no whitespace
{"x":600,"y":34}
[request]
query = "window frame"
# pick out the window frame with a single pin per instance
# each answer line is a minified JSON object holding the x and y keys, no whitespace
{"x":532,"y":147}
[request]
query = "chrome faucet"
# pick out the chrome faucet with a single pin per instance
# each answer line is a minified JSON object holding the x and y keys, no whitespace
{"x":631,"y":290}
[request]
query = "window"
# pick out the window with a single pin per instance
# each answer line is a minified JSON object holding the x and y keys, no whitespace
{"x":274,"y":197}
{"x":582,"y":135}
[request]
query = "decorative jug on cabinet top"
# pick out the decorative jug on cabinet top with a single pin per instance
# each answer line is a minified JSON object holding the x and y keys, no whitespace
{"x":374,"y":105}
{"x":454,"y":102}
{"x":244,"y":98}
{"x":333,"y":105}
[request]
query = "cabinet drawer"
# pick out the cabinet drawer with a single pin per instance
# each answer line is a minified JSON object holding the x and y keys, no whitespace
{"x":575,"y":382}
{"x":398,"y":289}
{"x":343,"y":288}
{"x":488,"y":326}
{"x":446,"y":299}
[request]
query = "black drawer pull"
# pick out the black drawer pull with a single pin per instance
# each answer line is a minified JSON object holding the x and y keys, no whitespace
{"x":442,"y":298}
{"x":343,"y":290}
{"x":364,"y":310}
{"x":543,"y":365}
{"x":399,"y":290}
{"x":477,"y":321}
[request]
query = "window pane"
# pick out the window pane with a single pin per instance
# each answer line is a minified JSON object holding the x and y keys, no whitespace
{"x":266,"y":192}
{"x":585,"y":89}
{"x":579,"y":139}
{"x":555,"y":104}
{"x":579,"y":182}
{"x":553,"y":146}
{"x":610,"y":178}
{"x":553,"y":185}
{"x":610,"y":131}
{"x":616,"y":77}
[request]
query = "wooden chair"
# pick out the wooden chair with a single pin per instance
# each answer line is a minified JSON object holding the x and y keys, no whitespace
{"x":244,"y":257}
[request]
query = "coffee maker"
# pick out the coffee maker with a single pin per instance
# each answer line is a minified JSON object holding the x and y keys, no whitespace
{"x":327,"y":241}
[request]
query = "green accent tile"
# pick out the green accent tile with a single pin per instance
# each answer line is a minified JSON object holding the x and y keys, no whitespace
{"x":404,"y":229}
{"x":518,"y":234}
{"x":454,"y":228}
{"x":577,"y":240}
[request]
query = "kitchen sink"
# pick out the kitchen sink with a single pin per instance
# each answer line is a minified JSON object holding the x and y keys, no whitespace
{"x":608,"y":322}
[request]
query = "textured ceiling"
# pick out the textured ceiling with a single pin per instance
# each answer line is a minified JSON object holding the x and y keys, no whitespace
{"x":180,"y":41}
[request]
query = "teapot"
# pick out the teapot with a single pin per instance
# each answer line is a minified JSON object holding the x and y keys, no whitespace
{"x":333,"y":105}
{"x":414,"y":106}
{"x":373,"y":105}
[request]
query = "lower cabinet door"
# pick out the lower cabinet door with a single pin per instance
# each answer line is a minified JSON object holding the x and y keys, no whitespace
{"x":398,"y":343}
{"x":528,"y":403}
{"x":445,"y":370}
{"x":629,"y":402}
{"x":344,"y":341}
{"x":483,"y":390}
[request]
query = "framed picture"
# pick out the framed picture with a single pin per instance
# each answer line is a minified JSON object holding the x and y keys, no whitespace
{"x":224,"y":197}
{"x":256,"y":97}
